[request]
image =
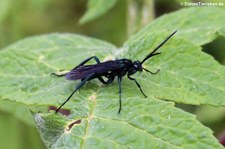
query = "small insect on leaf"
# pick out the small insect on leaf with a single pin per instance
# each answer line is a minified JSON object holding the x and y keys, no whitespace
{"x":109,"y":70}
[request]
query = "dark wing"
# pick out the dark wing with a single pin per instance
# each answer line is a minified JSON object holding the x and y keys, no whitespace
{"x":83,"y":71}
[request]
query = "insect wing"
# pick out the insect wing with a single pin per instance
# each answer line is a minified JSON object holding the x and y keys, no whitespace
{"x":83,"y":71}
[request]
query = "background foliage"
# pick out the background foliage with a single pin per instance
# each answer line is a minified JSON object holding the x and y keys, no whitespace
{"x":24,"y":18}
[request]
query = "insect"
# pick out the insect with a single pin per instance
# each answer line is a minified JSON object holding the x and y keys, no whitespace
{"x":109,"y":70}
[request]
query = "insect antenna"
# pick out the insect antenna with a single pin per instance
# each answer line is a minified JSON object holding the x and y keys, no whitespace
{"x":160,"y":45}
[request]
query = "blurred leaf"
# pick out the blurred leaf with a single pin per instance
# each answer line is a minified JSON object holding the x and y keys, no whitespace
{"x":215,"y":49}
{"x":4,"y":8}
{"x":96,"y":8}
{"x":209,"y":114}
{"x":9,"y":131}
{"x":14,"y":134}
{"x":19,"y":111}
{"x":157,"y":125}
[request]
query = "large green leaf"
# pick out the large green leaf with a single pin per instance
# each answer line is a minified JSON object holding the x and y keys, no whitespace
{"x":96,"y":8}
{"x":198,"y":25}
{"x":201,"y":75}
{"x":144,"y":123}
{"x":186,"y":75}
{"x":26,"y":66}
{"x":25,"y":70}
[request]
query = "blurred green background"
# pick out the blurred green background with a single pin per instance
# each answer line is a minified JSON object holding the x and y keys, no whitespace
{"x":24,"y":18}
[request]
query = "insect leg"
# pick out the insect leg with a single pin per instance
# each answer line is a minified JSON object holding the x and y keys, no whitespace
{"x":110,"y":79}
{"x":151,"y":71}
{"x":58,"y":75}
{"x":133,"y":79}
{"x":81,"y":64}
{"x":120,"y":91}
{"x":87,"y":60}
{"x":77,"y":88}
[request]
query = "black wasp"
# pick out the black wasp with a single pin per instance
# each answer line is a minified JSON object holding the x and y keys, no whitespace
{"x":109,"y":70}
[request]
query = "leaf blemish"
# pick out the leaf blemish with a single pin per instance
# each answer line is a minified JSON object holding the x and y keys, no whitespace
{"x":93,"y":97}
{"x":41,"y":57}
{"x":72,"y":124}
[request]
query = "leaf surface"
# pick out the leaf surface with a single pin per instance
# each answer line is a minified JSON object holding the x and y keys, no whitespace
{"x":186,"y":75}
{"x":157,"y":125}
{"x":198,"y":25}
{"x":195,"y":77}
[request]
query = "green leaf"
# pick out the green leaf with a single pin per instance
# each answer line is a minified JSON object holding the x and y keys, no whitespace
{"x":26,"y":66}
{"x":210,"y":115}
{"x":186,"y":75}
{"x":195,"y":77}
{"x":4,"y":9}
{"x":16,"y":126}
{"x":25,"y":69}
{"x":157,"y":125}
{"x":196,"y":24}
{"x":96,"y":8}
{"x":18,"y":111}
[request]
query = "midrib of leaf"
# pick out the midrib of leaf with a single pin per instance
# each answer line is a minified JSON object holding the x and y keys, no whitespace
{"x":90,"y":116}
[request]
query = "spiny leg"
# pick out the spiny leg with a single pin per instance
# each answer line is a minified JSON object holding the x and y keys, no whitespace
{"x":77,"y":88}
{"x":120,"y":91}
{"x":133,"y":79}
